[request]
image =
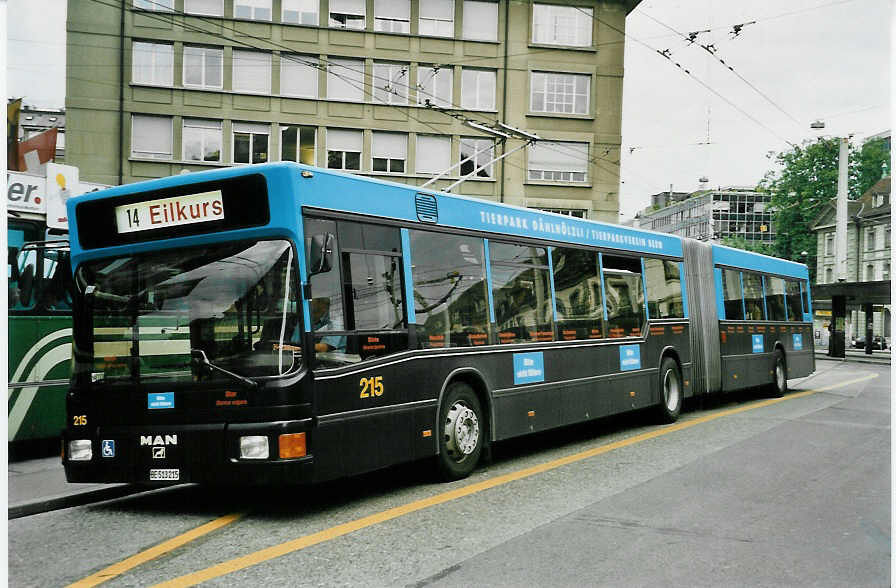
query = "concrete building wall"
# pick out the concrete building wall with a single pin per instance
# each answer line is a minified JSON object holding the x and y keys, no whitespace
{"x":99,"y":126}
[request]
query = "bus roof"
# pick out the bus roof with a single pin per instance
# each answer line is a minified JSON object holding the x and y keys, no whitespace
{"x":738,"y":258}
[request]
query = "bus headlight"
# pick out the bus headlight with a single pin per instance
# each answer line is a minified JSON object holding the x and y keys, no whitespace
{"x":80,"y":450}
{"x":254,"y":447}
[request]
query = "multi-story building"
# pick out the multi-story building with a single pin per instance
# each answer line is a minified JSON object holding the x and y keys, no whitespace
{"x":867,"y":258}
{"x":714,"y":215}
{"x":398,"y":89}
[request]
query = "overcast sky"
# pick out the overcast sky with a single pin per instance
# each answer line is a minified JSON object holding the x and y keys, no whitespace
{"x":810,"y":59}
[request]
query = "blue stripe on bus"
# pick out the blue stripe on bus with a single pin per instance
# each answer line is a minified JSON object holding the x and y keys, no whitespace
{"x":644,"y":289}
{"x":408,"y":276}
{"x":488,"y":281}
{"x":603,"y":289}
{"x":684,"y":289}
{"x":743,"y":299}
{"x":720,"y":294}
{"x":722,"y":255}
{"x":804,"y":291}
{"x":551,"y":277}
{"x":764,"y":308}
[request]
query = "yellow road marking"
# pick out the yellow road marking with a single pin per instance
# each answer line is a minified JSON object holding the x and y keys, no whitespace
{"x":331,"y":533}
{"x":135,"y":560}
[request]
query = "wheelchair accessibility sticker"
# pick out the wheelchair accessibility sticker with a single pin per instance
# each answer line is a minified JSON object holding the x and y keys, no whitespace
{"x":629,"y":357}
{"x":108,"y":448}
{"x":758,"y":344}
{"x":528,"y":368}
{"x":797,"y":342}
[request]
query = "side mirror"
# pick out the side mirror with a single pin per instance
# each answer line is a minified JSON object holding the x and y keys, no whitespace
{"x":320,"y":253}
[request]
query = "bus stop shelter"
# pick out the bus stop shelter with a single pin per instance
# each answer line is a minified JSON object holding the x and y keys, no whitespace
{"x":842,"y":297}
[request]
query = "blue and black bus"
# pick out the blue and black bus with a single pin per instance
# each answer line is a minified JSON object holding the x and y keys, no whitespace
{"x":281,"y":323}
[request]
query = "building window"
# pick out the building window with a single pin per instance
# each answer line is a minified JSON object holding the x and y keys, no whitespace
{"x":869,"y":239}
{"x":480,"y":21}
{"x":348,"y":14}
{"x":433,"y":154}
{"x":829,"y":275}
{"x":344,"y":149}
{"x":201,"y":140}
{"x":869,"y":273}
{"x":558,"y":161}
{"x":151,"y":136}
{"x":555,"y":24}
{"x":390,"y":151}
{"x":203,"y":67}
{"x":829,"y":243}
{"x":574,"y":212}
{"x":556,"y":92}
{"x":887,"y":237}
{"x":390,"y":83}
{"x":298,"y":144}
{"x":345,"y":80}
{"x":436,"y":18}
{"x":252,"y":9}
{"x":156,"y":5}
{"x":251,"y":71}
{"x":886,"y":275}
{"x":478,"y":89}
{"x":204,"y":7}
{"x":392,"y":16}
{"x":153,"y":63}
{"x":301,"y":12}
{"x":475,"y":153}
{"x":435,"y":86}
{"x":250,"y":142}
{"x":299,"y":75}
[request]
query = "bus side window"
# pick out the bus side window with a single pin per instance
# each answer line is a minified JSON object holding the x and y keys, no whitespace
{"x":753,"y":297}
{"x":578,"y":292}
{"x":521,"y":291}
{"x":624,"y":293}
{"x":733,"y":295}
{"x":663,"y":289}
{"x":774,"y":299}
{"x":794,"y":306}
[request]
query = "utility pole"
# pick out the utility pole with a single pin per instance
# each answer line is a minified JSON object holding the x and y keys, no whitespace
{"x":842,"y":190}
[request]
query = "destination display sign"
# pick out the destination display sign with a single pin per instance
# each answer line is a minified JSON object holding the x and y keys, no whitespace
{"x":170,"y":212}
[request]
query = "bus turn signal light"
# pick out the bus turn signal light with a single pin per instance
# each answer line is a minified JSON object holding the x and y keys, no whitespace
{"x":292,"y":445}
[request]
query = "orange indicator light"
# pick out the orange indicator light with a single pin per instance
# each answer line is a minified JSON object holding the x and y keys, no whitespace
{"x":531,"y":413}
{"x":292,"y":445}
{"x":427,"y":433}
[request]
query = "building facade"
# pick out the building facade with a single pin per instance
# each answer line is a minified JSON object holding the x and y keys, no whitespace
{"x":398,"y":89}
{"x":715,"y":215}
{"x":33,"y":121}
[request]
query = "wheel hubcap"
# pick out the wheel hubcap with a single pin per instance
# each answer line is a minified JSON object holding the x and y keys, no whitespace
{"x":671,"y":390}
{"x":779,"y":375}
{"x":461,"y":431}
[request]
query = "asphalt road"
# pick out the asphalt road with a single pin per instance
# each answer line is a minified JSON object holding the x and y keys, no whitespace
{"x":745,"y":491}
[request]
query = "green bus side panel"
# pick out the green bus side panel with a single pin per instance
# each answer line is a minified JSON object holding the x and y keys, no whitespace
{"x":39,"y":350}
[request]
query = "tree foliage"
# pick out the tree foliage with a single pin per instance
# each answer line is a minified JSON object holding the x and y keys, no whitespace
{"x":806,"y":181}
{"x":739,"y":242}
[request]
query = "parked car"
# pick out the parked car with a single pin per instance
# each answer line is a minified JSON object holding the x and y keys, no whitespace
{"x":876,"y":343}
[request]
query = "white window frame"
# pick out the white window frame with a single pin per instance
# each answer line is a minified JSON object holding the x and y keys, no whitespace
{"x":870,"y":238}
{"x":156,"y":52}
{"x":243,"y":58}
{"x":298,"y":67}
{"x":299,"y":128}
{"x":559,"y":92}
{"x":354,"y":13}
{"x":167,"y":154}
{"x":472,"y":145}
{"x":477,"y":15}
{"x":829,"y":275}
{"x":473,"y":79}
{"x":337,"y":72}
{"x":256,"y":8}
{"x":204,"y":52}
{"x":829,"y":243}
{"x":392,"y":16}
{"x":217,"y":11}
{"x":356,"y":137}
{"x":869,"y":272}
{"x":390,"y":82}
{"x":253,"y":130}
{"x":555,"y":21}
{"x":217,"y":135}
{"x":391,"y":148}
{"x":558,"y":161}
{"x":302,"y":9}
{"x":436,"y":148}
{"x":435,"y":83}
{"x":155,"y":5}
{"x":434,"y":13}
{"x":886,"y":271}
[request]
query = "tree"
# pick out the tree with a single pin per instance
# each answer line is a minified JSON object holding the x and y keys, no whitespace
{"x":807,"y":181}
{"x":739,"y":242}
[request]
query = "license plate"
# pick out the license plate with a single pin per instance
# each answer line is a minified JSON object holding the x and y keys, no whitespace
{"x":166,"y":474}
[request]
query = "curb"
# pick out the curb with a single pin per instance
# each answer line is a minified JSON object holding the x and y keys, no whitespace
{"x":69,"y":500}
{"x":882,"y":361}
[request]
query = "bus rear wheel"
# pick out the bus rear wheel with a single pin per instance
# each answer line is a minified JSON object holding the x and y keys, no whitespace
{"x":461,"y":432}
{"x":778,"y":387}
{"x":670,"y":392}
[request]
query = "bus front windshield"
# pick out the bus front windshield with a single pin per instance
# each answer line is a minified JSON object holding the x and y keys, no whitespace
{"x":218,"y":312}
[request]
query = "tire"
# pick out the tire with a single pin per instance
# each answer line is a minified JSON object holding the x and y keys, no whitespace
{"x":671,"y":393}
{"x":461,"y":432}
{"x":778,"y":387}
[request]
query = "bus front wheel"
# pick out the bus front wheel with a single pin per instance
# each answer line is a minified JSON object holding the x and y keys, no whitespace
{"x":461,"y":432}
{"x":670,"y":391}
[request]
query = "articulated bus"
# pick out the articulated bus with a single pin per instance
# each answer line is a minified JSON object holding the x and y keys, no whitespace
{"x":281,"y":323}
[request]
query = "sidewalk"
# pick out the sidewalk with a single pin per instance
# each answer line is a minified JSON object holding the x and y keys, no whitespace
{"x":857,"y":356}
{"x":39,"y":485}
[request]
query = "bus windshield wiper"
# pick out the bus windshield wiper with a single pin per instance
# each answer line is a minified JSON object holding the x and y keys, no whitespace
{"x":198,"y":356}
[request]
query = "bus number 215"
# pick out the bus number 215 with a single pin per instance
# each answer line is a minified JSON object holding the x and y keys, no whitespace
{"x":372,"y":386}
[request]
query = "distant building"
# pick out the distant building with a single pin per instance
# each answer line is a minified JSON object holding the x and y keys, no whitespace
{"x":867,"y":260}
{"x":664,"y":199}
{"x":33,"y":121}
{"x":716,"y":214}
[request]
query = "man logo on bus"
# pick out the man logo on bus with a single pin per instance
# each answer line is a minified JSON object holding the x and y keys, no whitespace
{"x":158,"y":440}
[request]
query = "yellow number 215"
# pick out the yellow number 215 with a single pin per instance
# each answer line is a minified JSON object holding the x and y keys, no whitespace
{"x":372,"y":386}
